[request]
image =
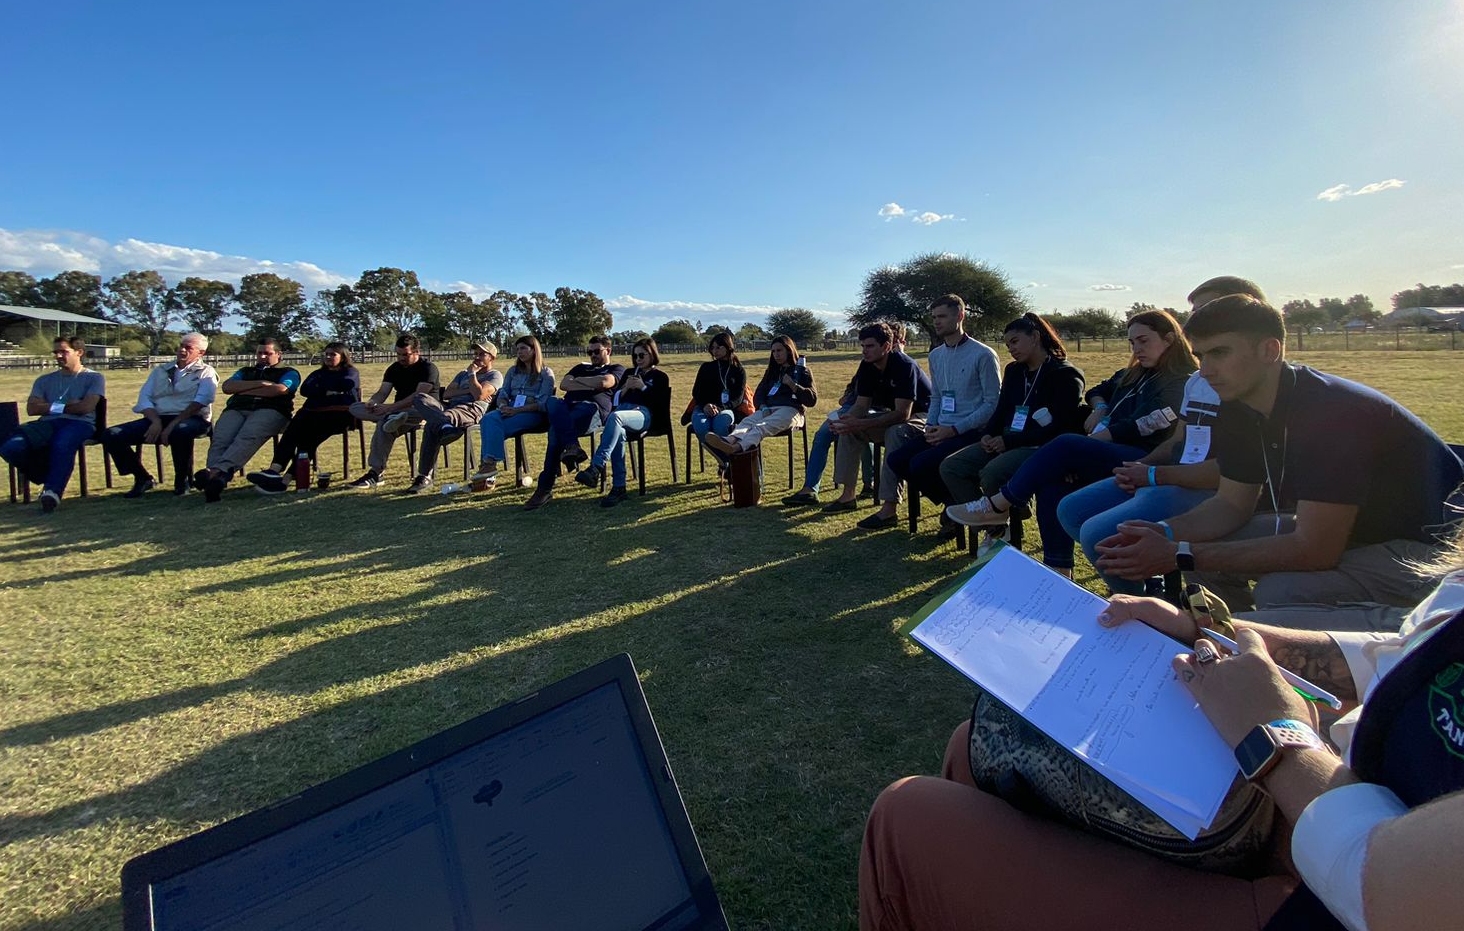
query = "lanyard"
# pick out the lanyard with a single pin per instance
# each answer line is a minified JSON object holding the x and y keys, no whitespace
{"x":1032,"y":385}
{"x":1266,"y":461}
{"x":1133,"y":393}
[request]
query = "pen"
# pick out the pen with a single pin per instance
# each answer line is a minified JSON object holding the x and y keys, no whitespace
{"x":1308,"y":690}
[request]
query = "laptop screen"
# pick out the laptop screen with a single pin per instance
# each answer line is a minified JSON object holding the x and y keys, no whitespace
{"x":554,"y":822}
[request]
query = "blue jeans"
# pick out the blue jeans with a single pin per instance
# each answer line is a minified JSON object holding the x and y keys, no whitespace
{"x":612,"y":440}
{"x":818,"y":455}
{"x":568,"y":421}
{"x":1093,"y":513}
{"x":721,"y":424}
{"x":494,"y":429}
{"x":67,"y":436}
{"x":1063,"y":463}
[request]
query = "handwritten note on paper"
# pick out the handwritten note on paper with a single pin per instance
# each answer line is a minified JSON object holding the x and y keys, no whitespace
{"x":1032,"y":639}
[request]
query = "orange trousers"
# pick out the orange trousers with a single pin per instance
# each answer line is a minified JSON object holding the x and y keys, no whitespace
{"x":941,"y":855}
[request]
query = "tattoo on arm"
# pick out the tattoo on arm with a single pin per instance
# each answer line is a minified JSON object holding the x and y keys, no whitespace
{"x":1316,"y":658}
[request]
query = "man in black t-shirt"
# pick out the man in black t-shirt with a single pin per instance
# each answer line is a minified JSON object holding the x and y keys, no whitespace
{"x":892,"y":391}
{"x":1351,"y":483}
{"x":406,"y":378}
{"x":589,"y":394}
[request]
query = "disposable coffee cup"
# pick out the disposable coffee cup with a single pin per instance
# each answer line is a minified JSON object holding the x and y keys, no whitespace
{"x":322,"y":480}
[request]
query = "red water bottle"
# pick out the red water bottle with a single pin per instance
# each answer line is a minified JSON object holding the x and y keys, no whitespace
{"x":302,"y":471}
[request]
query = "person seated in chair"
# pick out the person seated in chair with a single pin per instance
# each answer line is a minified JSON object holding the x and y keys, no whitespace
{"x":589,"y":391}
{"x":261,"y":397}
{"x":782,"y":397}
{"x":719,"y":393}
{"x":464,"y":402}
{"x":409,"y":377}
{"x":329,"y":393}
{"x":1355,"y":483}
{"x":965,"y":387}
{"x":522,"y":406}
{"x":642,"y":404}
{"x":64,"y":403}
{"x":893,"y":396}
{"x":176,"y":404}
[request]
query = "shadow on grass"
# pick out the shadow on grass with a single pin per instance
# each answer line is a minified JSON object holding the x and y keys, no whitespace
{"x":750,"y":681}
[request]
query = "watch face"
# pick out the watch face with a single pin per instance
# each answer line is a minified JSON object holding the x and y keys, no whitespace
{"x":1257,"y":753}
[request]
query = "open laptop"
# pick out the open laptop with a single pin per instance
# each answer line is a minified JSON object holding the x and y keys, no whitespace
{"x":557,"y":811}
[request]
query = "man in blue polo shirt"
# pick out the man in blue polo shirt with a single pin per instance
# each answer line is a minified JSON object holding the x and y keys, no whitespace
{"x":1352,"y":485}
{"x":892,"y":392}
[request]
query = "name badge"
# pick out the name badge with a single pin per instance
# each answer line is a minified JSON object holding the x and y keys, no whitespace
{"x":1196,"y":444}
{"x":58,"y":407}
{"x":773,"y":390}
{"x":519,"y":400}
{"x":948,"y":402}
{"x":615,"y":400}
{"x":1019,"y":419}
{"x":1102,"y":425}
{"x":725,"y":398}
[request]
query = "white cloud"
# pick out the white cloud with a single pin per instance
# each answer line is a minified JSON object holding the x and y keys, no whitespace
{"x":1338,"y":191}
{"x":928,"y":217}
{"x":1108,"y":287}
{"x":46,"y":252}
{"x":633,"y":313}
{"x":1036,"y":284}
{"x":891,"y":210}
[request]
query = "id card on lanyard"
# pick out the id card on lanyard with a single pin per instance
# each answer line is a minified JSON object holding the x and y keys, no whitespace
{"x":1196,"y":444}
{"x":1019,"y":419}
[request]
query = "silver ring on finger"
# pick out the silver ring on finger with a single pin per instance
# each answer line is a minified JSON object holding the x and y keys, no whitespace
{"x":1205,"y":653}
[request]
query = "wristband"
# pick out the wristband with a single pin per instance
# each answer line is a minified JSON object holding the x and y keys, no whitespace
{"x":1329,"y":844}
{"x":1152,"y":479}
{"x":1100,"y":406}
{"x":1168,"y":530}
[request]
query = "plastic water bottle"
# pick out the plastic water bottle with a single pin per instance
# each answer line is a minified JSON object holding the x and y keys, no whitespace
{"x":452,"y":488}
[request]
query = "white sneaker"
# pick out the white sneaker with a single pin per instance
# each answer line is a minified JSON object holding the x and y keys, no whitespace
{"x":978,"y":513}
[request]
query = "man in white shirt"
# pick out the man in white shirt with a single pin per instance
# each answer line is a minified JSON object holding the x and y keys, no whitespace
{"x":176,"y":404}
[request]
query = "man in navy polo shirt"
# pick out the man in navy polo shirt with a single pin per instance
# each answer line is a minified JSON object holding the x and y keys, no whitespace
{"x":892,"y":392}
{"x":1350,"y":484}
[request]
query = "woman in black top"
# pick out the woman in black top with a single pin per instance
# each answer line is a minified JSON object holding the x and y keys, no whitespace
{"x":718,"y":395}
{"x":329,"y":392}
{"x":785,"y":392}
{"x":642,"y":403}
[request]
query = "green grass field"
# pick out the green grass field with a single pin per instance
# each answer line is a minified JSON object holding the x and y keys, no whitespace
{"x":166,"y":665}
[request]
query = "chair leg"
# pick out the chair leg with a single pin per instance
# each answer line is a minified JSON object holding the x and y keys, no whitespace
{"x":790,"y":460}
{"x":671,"y":443}
{"x":158,"y":454}
{"x":640,"y":456}
{"x":13,"y":491}
{"x":914,"y":495}
{"x":689,"y":435}
{"x":81,"y":468}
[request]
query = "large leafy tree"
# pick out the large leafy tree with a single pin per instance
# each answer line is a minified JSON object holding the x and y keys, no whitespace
{"x":749,"y":332}
{"x":274,"y":306}
{"x":904,"y":292}
{"x":392,"y":298}
{"x":203,"y":303}
{"x":19,"y":289}
{"x":1090,"y":322}
{"x":675,"y":333}
{"x":472,"y":320}
{"x":437,"y":329}
{"x":578,"y":315}
{"x":803,"y":326}
{"x":72,"y":291}
{"x":344,"y":317}
{"x":141,"y":299}
{"x":1302,"y":315}
{"x":1430,"y":295}
{"x":536,"y":311}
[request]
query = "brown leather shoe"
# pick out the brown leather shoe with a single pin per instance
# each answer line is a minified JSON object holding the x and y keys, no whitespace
{"x":538,"y":499}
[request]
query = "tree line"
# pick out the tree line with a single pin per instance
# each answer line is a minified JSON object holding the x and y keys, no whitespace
{"x":367,"y":314}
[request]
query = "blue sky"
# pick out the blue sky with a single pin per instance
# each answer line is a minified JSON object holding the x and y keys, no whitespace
{"x":718,"y":161}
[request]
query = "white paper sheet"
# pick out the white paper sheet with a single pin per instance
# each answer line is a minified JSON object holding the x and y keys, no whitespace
{"x":1032,"y":639}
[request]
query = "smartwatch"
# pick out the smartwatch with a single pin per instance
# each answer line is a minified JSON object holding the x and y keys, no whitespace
{"x":1184,"y":557}
{"x":1263,"y":747}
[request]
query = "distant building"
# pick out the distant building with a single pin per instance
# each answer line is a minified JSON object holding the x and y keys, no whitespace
{"x":1425,"y":317}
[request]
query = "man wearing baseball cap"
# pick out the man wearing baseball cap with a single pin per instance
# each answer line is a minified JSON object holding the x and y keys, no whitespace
{"x":464,"y":402}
